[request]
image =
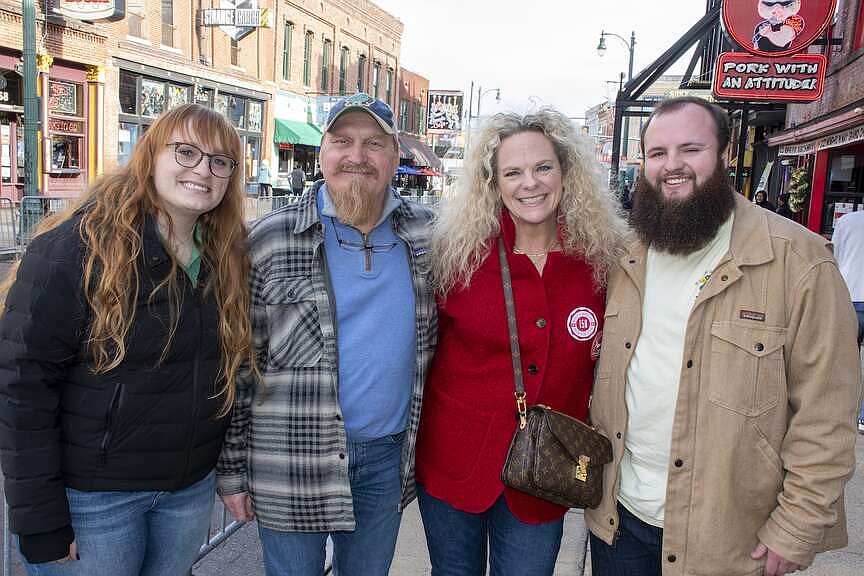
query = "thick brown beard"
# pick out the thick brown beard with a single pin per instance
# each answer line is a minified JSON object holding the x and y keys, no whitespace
{"x":358,"y":205}
{"x":682,"y":226}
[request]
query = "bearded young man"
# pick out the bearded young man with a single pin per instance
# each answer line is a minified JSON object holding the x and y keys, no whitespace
{"x":728,"y":377}
{"x":322,"y":440}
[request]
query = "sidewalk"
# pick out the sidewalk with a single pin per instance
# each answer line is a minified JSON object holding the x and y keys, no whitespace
{"x":241,"y":554}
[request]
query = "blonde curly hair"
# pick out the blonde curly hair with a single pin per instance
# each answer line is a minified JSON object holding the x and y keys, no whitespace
{"x":588,"y":214}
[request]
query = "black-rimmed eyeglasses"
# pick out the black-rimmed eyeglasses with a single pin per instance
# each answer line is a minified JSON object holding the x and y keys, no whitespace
{"x":189,"y":156}
{"x":358,"y":247}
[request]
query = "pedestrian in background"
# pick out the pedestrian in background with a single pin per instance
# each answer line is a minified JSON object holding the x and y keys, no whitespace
{"x":298,"y":180}
{"x":761,"y":200}
{"x":848,"y":240}
{"x":322,"y":444}
{"x":532,"y":184}
{"x":264,"y":186}
{"x":728,"y":378}
{"x":783,"y":206}
{"x":121,"y":335}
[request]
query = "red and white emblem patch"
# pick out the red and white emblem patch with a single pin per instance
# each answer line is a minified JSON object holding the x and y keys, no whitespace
{"x":582,"y":324}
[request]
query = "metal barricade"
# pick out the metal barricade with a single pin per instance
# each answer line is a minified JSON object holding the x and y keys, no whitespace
{"x":34,"y":209}
{"x":8,"y":228}
{"x":7,"y":542}
{"x":226,"y":529}
{"x":266,"y":203}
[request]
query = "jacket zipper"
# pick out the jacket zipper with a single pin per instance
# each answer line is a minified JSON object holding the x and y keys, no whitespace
{"x":367,"y":251}
{"x":110,"y":417}
{"x":196,"y":297}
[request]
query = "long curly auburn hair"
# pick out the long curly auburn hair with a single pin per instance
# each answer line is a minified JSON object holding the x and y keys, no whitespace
{"x":113,"y":213}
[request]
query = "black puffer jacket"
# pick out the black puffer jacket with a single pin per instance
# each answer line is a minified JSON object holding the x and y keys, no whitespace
{"x":146,"y":425}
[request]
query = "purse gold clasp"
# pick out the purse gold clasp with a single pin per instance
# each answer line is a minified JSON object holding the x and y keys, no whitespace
{"x":582,"y":468}
{"x":522,"y":408}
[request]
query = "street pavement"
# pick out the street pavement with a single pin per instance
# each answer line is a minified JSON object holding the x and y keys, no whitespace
{"x":241,"y":554}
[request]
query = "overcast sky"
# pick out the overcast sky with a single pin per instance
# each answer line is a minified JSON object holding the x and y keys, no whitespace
{"x":541,"y":51}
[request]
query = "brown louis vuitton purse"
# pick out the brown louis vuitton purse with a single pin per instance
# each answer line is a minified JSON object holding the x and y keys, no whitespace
{"x":552,"y":456}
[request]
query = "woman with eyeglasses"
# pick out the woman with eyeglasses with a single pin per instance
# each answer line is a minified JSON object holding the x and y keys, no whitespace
{"x":124,"y":326}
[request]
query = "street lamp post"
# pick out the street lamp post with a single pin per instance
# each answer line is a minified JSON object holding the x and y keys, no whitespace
{"x":480,"y":94}
{"x":31,"y":101}
{"x":631,"y":46}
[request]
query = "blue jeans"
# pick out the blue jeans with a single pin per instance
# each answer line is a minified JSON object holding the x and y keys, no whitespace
{"x":136,"y":533}
{"x":859,"y":312}
{"x":637,"y":550}
{"x":376,"y":489}
{"x":458,"y":540}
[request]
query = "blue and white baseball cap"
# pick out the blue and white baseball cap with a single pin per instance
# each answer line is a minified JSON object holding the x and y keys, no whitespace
{"x":361,"y":101}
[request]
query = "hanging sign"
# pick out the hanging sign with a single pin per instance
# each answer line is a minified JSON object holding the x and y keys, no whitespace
{"x":65,"y":126}
{"x":237,"y":18}
{"x":92,"y":9}
{"x":776,"y":27}
{"x":799,"y":78}
{"x":10,"y":88}
{"x":444,"y":111}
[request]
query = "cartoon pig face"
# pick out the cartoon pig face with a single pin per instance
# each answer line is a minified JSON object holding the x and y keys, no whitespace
{"x":777,"y":11}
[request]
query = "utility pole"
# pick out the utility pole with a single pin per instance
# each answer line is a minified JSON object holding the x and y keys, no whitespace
{"x":31,"y":101}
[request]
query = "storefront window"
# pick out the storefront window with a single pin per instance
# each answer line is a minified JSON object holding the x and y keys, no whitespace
{"x":127,"y":136}
{"x":152,"y":97}
{"x":204,"y":96}
{"x":845,"y":189}
{"x":237,"y":111}
{"x":285,"y":155}
{"x":254,"y":124}
{"x":251,"y":160}
{"x":128,"y":93}
{"x":65,"y":152}
{"x":177,"y":96}
{"x":222,"y":104}
{"x":64,"y":98}
{"x":5,"y":153}
{"x":19,"y":137}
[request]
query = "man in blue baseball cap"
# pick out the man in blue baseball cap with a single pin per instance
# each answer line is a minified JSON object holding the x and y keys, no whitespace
{"x":322,"y":441}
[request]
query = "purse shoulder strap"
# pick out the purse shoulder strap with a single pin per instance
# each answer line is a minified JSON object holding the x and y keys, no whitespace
{"x":514,"y":333}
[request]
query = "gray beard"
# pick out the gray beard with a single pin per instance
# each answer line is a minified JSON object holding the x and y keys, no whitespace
{"x":358,"y":205}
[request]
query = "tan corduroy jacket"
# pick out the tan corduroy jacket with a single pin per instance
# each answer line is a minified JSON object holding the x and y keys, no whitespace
{"x":764,"y":432}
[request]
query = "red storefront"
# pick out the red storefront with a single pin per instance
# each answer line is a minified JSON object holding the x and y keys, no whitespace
{"x":829,"y":152}
{"x":70,"y":85}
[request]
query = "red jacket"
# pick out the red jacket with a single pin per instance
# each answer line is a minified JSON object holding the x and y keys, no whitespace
{"x":469,"y":410}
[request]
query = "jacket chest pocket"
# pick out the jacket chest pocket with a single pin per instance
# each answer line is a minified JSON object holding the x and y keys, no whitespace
{"x":295,"y":339}
{"x":747,"y":367}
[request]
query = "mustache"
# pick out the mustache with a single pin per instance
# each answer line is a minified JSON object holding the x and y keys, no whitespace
{"x":351,"y":168}
{"x":678,"y":174}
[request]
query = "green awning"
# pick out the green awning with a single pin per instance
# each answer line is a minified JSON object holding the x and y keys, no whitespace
{"x":292,"y":132}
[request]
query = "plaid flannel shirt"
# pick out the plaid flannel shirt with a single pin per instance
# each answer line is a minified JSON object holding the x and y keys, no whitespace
{"x":286,"y":444}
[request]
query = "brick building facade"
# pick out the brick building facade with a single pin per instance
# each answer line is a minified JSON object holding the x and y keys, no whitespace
{"x":415,"y":152}
{"x":70,"y":115}
{"x":269,"y":80}
{"x":413,"y":96}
